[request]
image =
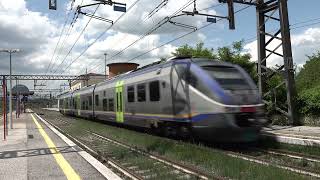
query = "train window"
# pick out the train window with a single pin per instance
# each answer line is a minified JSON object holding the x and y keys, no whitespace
{"x":105,"y":104}
{"x":141,"y":92}
{"x":228,"y":77}
{"x":104,"y":93}
{"x":90,"y":100}
{"x":83,"y":105}
{"x":130,"y":95}
{"x":154,"y":90}
{"x":110,"y":105}
{"x":96,"y":100}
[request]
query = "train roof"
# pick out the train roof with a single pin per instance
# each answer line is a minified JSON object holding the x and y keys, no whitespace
{"x":157,"y":64}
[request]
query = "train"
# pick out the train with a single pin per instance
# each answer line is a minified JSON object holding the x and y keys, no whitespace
{"x":183,"y":97}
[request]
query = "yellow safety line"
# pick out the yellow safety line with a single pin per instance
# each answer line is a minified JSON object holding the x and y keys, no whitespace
{"x":64,"y":165}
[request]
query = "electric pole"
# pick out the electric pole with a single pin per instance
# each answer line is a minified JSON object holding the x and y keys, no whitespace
{"x":105,"y":65}
{"x":10,"y":51}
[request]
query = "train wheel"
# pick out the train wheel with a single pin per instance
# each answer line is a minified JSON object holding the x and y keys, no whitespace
{"x":168,"y":130}
{"x":184,"y":132}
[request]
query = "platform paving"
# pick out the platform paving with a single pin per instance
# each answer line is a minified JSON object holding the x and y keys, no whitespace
{"x":296,"y":131}
{"x":25,"y":154}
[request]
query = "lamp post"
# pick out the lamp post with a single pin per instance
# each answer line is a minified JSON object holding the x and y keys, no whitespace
{"x":10,"y":51}
{"x":105,"y":65}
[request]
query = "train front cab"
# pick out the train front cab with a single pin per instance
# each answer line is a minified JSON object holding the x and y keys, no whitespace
{"x":224,"y":103}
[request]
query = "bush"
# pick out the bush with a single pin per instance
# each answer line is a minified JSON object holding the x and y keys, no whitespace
{"x":309,"y":101}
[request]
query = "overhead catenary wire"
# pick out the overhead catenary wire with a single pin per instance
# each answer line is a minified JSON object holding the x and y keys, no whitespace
{"x":184,"y":35}
{"x":62,"y":30}
{"x":102,"y":34}
{"x":161,"y":5}
{"x":209,"y":25}
{"x":150,"y":31}
{"x":71,"y":25}
{"x":76,"y":40}
{"x":52,"y":60}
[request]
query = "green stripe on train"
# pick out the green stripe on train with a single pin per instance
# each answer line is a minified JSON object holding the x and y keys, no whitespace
{"x":119,"y":102}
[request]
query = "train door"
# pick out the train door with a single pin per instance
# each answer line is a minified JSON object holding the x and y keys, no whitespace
{"x":78,"y":104}
{"x":180,"y":71}
{"x":119,"y":102}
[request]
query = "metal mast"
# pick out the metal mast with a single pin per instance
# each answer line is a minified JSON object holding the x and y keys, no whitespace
{"x":269,"y":13}
{"x":277,"y":11}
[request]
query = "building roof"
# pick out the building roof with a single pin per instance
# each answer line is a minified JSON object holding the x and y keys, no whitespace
{"x":92,"y":74}
{"x":21,"y":89}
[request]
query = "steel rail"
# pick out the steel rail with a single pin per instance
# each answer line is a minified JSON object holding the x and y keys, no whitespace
{"x":109,"y":161}
{"x":176,"y":165}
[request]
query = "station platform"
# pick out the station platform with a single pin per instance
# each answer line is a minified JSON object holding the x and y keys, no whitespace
{"x":302,"y":135}
{"x":33,"y":151}
{"x":51,"y":109}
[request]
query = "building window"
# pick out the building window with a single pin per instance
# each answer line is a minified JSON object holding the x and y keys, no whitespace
{"x":154,"y":91}
{"x":110,"y":105}
{"x":96,"y":100}
{"x":130,"y":94}
{"x":105,"y":104}
{"x":141,"y":92}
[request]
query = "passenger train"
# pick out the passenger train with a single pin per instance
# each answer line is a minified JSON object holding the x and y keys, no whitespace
{"x":207,"y":99}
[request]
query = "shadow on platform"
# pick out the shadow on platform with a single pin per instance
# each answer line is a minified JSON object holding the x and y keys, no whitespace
{"x":38,"y":152}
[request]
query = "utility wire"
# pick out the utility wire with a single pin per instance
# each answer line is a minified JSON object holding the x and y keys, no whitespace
{"x":65,"y":38}
{"x":64,"y":26}
{"x":154,"y":28}
{"x":116,"y":43}
{"x":76,"y":40}
{"x":184,"y":35}
{"x":54,"y":51}
{"x":115,"y":22}
{"x":158,"y":25}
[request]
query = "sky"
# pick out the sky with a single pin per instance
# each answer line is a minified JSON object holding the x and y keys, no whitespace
{"x":49,"y":44}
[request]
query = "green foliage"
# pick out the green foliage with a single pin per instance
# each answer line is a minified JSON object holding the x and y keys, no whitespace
{"x":309,"y":101}
{"x":309,"y":75}
{"x":308,"y":86}
{"x":231,"y":54}
{"x":235,"y":55}
{"x":198,"y":51}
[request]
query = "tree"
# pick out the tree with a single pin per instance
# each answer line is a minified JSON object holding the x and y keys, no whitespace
{"x":198,"y":51}
{"x":308,"y":77}
{"x":308,"y":86}
{"x":235,"y":55}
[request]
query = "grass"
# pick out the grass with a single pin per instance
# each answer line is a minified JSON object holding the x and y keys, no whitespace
{"x":308,"y":150}
{"x":206,"y":159}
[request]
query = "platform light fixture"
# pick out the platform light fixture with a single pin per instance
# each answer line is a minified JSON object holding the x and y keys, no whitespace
{"x":10,"y":51}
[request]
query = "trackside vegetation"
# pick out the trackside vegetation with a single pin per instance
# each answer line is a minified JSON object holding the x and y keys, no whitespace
{"x":307,"y":80}
{"x":207,"y":159}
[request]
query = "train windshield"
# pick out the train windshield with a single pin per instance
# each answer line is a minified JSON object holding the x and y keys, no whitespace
{"x":228,"y":77}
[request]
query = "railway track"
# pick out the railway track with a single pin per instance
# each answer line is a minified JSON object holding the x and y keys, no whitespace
{"x":130,"y":162}
{"x":143,"y":165}
{"x":297,"y":169}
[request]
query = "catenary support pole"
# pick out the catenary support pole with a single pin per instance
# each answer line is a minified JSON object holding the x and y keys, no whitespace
{"x":4,"y":107}
{"x":105,"y":65}
{"x":10,"y":89}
